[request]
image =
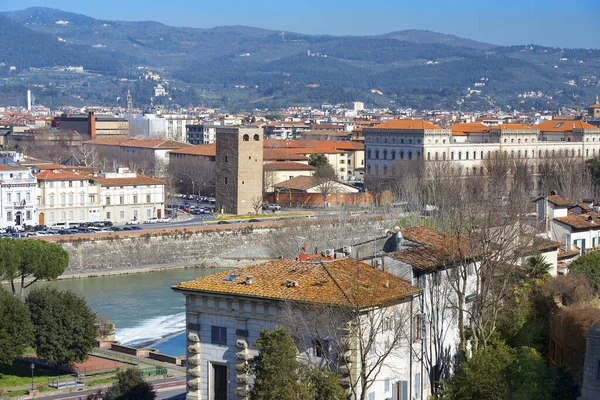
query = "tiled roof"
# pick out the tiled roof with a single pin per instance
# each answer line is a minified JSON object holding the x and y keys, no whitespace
{"x":209,"y":150}
{"x":584,"y":207}
{"x":139,"y":180}
{"x":109,"y":140}
{"x":555,"y":125}
{"x":155,"y":143}
{"x":324,"y":281}
{"x":557,"y":200}
{"x":512,"y":127}
{"x":543,"y":244}
{"x":416,"y":124}
{"x":323,"y":145}
{"x":581,"y":221}
{"x":7,"y":167}
{"x":282,"y":155}
{"x":60,"y":176}
{"x":301,"y":183}
{"x":462,"y":129}
{"x":437,"y":248}
{"x":287,"y":166}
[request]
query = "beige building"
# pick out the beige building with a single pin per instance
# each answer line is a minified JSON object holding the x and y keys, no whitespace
{"x":239,"y":169}
{"x":279,"y":171}
{"x":91,"y":126}
{"x":118,"y":197}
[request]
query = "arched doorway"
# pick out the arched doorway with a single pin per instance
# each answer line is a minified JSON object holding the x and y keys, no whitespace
{"x":18,"y":218}
{"x":42,"y":219}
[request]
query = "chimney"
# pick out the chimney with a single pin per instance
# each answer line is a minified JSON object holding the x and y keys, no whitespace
{"x":249,"y":280}
{"x":92,"y":125}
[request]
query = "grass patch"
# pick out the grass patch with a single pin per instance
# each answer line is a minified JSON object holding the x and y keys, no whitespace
{"x":101,"y":381}
{"x":19,"y":374}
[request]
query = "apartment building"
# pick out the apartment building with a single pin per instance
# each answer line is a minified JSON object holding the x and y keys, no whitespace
{"x":120,"y":196}
{"x":201,"y":133}
{"x":18,"y":201}
{"x":467,"y":146}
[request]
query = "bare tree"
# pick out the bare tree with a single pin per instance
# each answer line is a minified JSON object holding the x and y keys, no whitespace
{"x":327,"y":183}
{"x":257,"y":204}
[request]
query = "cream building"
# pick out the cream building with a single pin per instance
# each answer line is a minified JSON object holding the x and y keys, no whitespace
{"x":118,"y":197}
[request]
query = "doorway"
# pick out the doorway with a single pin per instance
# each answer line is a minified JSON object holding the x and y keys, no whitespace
{"x":42,"y":219}
{"x":159,"y":213}
{"x":219,"y":382}
{"x":18,"y":218}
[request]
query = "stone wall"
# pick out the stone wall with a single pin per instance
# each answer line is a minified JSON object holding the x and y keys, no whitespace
{"x":164,"y":248}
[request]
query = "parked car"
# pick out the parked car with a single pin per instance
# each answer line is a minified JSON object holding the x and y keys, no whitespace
{"x":197,"y":211}
{"x":271,"y":207}
{"x":135,"y":228}
{"x":151,"y":221}
{"x":254,"y":220}
{"x":116,"y":229}
{"x":223,"y":223}
{"x":164,"y":220}
{"x":134,"y":221}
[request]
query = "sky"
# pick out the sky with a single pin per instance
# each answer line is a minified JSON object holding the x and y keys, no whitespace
{"x":570,"y":23}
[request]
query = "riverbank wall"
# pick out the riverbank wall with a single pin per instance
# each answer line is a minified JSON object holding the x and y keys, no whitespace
{"x":139,"y":251}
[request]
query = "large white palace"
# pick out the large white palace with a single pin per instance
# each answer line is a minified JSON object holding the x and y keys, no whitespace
{"x":467,"y":145}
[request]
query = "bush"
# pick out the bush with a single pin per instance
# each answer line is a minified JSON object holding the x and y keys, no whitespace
{"x":589,"y":266}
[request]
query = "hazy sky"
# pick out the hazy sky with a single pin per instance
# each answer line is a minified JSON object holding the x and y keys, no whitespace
{"x":564,"y":23}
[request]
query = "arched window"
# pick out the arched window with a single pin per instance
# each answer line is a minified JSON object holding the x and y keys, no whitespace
{"x":436,"y":156}
{"x":539,"y":154}
{"x":444,"y":156}
{"x":578,"y":152}
{"x":410,"y":155}
{"x":452,"y":155}
{"x":519,"y":154}
{"x":369,"y":153}
{"x":393,"y":154}
{"x":246,"y":138}
{"x":525,"y":153}
{"x":587,"y":152}
{"x":385,"y":154}
{"x":480,"y":170}
{"x":512,"y":154}
{"x":512,"y":140}
{"x":572,"y":152}
{"x":459,"y":155}
{"x":547,"y":154}
{"x":256,"y":138}
{"x":525,"y":140}
{"x":444,"y":141}
{"x":474,"y":171}
{"x":466,"y":155}
{"x":377,"y":154}
{"x":481,"y":155}
{"x":402,"y":155}
{"x":428,"y":156}
{"x":436,"y":141}
{"x":568,"y":139}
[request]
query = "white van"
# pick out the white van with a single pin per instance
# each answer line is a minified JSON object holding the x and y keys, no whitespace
{"x":59,"y":225}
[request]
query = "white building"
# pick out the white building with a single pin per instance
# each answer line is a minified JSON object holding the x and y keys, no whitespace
{"x":164,"y":126}
{"x":465,"y":147}
{"x":201,"y":133}
{"x":18,"y":196}
{"x":226,"y":312}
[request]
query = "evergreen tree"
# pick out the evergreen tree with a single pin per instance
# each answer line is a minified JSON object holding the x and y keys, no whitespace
{"x":64,"y":326}
{"x":16,"y":331}
{"x":130,"y":385}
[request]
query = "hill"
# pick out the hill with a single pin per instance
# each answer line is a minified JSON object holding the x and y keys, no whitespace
{"x":244,"y":67}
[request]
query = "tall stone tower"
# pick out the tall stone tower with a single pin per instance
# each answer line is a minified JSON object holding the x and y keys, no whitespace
{"x":591,"y":365}
{"x":239,"y":166}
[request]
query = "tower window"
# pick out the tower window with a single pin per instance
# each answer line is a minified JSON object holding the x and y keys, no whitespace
{"x":226,"y":180}
{"x":225,"y":158}
{"x":246,"y":138}
{"x":256,"y":138}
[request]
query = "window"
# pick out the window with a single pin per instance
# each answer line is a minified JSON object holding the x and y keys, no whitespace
{"x":148,"y":199}
{"x":122,"y":214}
{"x":108,"y":200}
{"x":18,"y":197}
{"x":135,"y":199}
{"x":418,"y":327}
{"x":70,"y":183}
{"x":28,"y":215}
{"x":218,"y":335}
{"x":225,"y":180}
{"x":9,"y":216}
{"x":121,"y":199}
{"x":320,"y":347}
{"x":256,"y":138}
{"x":70,"y":198}
{"x":62,"y":199}
{"x":81,"y":199}
{"x":417,"y":384}
{"x":108,"y":215}
{"x":50,"y":199}
{"x":459,"y":155}
{"x":246,"y":138}
{"x":148,"y":213}
{"x":8,"y":197}
{"x":82,"y":215}
{"x":27,"y":196}
{"x":386,"y":385}
{"x":70,"y":215}
{"x":63,"y":216}
{"x":135,"y":214}
{"x":225,"y":158}
{"x":52,"y":216}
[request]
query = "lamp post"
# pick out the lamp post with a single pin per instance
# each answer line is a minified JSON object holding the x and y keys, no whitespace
{"x":32,"y":366}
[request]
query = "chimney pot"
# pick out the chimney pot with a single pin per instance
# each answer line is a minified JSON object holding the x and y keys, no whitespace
{"x":249,"y":280}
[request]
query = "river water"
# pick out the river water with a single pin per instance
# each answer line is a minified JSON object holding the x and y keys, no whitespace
{"x":143,"y":307}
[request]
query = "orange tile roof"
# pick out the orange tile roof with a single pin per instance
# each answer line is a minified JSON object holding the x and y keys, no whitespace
{"x":139,"y":180}
{"x":323,"y":145}
{"x":209,"y":150}
{"x":155,"y":143}
{"x":282,"y":155}
{"x":60,"y":176}
{"x":109,"y":140}
{"x":555,"y":125}
{"x":301,"y":183}
{"x":581,"y":221}
{"x":462,"y":129}
{"x":511,"y":127}
{"x":287,"y":166}
{"x":407,"y":124}
{"x":323,"y":280}
{"x":557,"y":200}
{"x":7,"y":167}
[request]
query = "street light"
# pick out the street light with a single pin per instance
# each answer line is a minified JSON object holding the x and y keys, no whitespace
{"x":32,"y":366}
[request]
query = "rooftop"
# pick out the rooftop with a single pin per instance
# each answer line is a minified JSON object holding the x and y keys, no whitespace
{"x":554,"y":125}
{"x":407,"y":124}
{"x":325,"y":280}
{"x":287,"y":166}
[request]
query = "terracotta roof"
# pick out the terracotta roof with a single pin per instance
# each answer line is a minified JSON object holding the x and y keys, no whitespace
{"x":559,"y":201}
{"x":155,"y":143}
{"x":60,"y":176}
{"x":584,"y":207}
{"x":287,"y":166}
{"x":209,"y":150}
{"x":301,"y":183}
{"x":581,"y":221}
{"x":563,"y":125}
{"x":512,"y":127}
{"x":282,"y":155}
{"x":324,"y":281}
{"x":564,"y":253}
{"x":596,"y":105}
{"x":109,"y":140}
{"x":322,"y":145}
{"x":44,"y":167}
{"x":139,"y":180}
{"x":436,"y":248}
{"x":543,"y":244}
{"x":462,"y":129}
{"x":7,"y":167}
{"x":406,"y":124}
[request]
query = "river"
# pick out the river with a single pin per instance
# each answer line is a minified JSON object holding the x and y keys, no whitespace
{"x":144,"y":309}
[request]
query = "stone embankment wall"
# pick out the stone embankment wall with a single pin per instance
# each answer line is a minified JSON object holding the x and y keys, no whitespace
{"x":165,"y":248}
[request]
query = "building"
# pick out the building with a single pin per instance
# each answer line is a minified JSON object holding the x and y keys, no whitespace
{"x":464,"y":148}
{"x":594,"y":110}
{"x":279,"y":171}
{"x":239,"y":169}
{"x":226,"y":312}
{"x":285,"y":130}
{"x":67,"y":197}
{"x":91,"y":126}
{"x":18,"y":199}
{"x":201,"y":133}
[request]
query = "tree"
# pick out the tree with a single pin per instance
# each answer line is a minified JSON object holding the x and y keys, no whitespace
{"x":537,"y":269}
{"x":276,"y":367}
{"x":589,"y":266}
{"x":531,"y":379}
{"x":130,"y":385}
{"x":318,"y":160}
{"x":257,"y":204}
{"x":64,"y":326}
{"x":322,"y":384}
{"x":16,"y":331}
{"x":36,"y":259}
{"x":326,"y":181}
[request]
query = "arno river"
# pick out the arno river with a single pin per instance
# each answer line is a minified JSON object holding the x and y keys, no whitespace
{"x":143,"y":307}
